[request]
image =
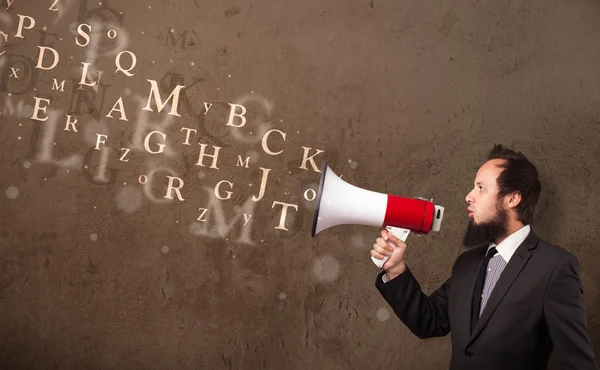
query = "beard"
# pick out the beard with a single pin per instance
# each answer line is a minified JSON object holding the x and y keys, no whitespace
{"x":488,"y":231}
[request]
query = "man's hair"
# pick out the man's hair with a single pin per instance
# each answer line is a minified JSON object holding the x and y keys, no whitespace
{"x":519,"y":175}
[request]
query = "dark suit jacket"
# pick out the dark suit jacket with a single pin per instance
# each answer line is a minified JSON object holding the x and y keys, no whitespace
{"x":536,"y":306}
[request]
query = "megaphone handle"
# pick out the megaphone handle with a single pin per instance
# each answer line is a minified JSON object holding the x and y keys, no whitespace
{"x":398,"y":232}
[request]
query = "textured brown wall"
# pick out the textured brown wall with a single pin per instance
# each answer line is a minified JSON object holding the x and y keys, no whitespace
{"x":403,"y":97}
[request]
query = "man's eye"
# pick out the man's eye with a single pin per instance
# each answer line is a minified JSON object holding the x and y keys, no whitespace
{"x":480,"y":187}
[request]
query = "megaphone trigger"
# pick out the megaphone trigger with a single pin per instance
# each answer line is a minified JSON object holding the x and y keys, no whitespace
{"x":399,"y":233}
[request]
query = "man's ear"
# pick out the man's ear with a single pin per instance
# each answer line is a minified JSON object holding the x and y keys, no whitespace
{"x":514,"y":199}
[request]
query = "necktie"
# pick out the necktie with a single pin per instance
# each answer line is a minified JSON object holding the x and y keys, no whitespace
{"x":476,"y":304}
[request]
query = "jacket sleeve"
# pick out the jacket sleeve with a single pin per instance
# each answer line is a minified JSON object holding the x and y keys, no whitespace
{"x":566,"y":320}
{"x":425,"y":316}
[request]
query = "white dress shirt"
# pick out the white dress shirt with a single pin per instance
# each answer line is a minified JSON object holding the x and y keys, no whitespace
{"x":508,"y":246}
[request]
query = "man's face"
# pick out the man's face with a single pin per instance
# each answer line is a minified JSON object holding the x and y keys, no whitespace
{"x":488,"y":217}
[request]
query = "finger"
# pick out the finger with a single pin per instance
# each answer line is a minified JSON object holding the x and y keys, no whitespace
{"x":384,"y":244}
{"x":384,"y":234}
{"x":381,"y":250}
{"x":392,"y":237}
{"x":376,"y":255}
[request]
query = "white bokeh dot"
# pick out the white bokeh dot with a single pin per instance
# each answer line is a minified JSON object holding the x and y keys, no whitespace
{"x":94,"y":237}
{"x":383,"y":314}
{"x":282,"y":296}
{"x":201,"y":174}
{"x":253,"y":155}
{"x":127,"y":91}
{"x":360,"y":242}
{"x":27,"y":164}
{"x":326,"y":269}
{"x":165,"y":249}
{"x":129,"y":199}
{"x":196,"y":228}
{"x":12,"y":192}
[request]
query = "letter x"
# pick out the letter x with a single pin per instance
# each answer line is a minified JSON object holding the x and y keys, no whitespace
{"x":14,"y":72}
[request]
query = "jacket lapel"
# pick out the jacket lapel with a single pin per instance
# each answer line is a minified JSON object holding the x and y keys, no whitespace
{"x":468,"y":279}
{"x":507,"y":278}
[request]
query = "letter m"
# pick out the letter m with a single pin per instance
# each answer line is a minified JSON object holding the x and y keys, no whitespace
{"x":171,"y":37}
{"x":56,"y":86}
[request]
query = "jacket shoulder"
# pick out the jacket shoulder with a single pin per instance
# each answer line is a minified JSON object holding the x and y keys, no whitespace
{"x":552,"y":252}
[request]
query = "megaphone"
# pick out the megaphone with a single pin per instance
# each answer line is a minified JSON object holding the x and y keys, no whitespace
{"x":339,"y":203}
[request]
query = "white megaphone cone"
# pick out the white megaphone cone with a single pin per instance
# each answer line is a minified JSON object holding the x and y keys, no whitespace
{"x":339,"y":203}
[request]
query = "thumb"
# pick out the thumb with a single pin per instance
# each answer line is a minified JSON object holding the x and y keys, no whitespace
{"x":393,"y":238}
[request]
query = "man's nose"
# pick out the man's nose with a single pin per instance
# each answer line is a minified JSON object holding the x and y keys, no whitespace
{"x":469,"y":198}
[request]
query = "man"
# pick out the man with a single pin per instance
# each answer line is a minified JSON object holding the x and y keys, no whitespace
{"x":512,"y":297}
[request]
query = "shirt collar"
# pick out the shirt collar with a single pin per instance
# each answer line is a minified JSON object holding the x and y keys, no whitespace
{"x":508,"y":246}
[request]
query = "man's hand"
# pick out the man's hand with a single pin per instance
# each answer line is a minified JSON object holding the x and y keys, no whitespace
{"x":394,"y":266}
